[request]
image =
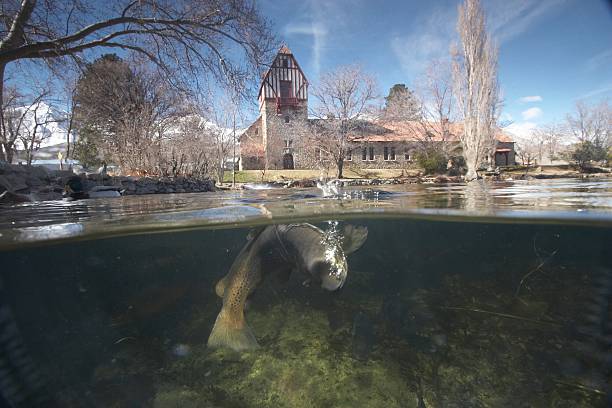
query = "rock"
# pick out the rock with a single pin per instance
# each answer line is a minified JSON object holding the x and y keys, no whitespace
{"x":64,"y":174}
{"x":5,"y":167}
{"x":40,"y":172}
{"x":8,"y":197}
{"x":5,"y":184}
{"x":13,"y":182}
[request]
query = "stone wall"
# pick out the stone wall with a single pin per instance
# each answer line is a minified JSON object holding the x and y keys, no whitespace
{"x":42,"y":184}
{"x":291,"y":124}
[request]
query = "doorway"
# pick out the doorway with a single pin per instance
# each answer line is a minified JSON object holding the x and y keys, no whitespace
{"x":288,"y":161}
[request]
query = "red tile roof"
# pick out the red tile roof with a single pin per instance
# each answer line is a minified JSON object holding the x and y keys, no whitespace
{"x":406,"y":131}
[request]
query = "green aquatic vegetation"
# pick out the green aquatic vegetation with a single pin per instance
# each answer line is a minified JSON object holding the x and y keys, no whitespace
{"x":458,"y":356}
{"x":294,"y":367}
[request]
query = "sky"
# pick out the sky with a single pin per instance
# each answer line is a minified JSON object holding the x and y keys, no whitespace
{"x":551,"y":52}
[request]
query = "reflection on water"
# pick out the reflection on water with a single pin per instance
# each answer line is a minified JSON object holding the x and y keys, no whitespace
{"x":536,"y":199}
{"x":442,"y":314}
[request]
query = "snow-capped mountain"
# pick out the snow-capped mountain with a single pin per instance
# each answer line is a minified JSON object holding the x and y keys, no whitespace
{"x":52,"y":129}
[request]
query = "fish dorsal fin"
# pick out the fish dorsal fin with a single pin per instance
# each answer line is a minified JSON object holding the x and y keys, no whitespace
{"x":254,"y":233}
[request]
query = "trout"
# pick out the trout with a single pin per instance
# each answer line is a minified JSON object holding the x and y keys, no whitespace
{"x":279,"y":250}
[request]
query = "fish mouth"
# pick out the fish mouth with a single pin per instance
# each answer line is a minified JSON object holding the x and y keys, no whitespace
{"x":333,"y":281}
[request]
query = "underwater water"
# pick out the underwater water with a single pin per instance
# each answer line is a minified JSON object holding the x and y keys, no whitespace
{"x":495,"y":297}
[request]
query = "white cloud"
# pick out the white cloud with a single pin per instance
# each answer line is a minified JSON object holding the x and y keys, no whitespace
{"x":533,"y":98}
{"x":521,"y":130}
{"x":429,"y":40}
{"x":599,"y":60}
{"x":317,"y":18}
{"x":531,"y":113}
{"x":605,"y":88}
{"x":319,"y":36}
{"x":431,"y":34}
{"x":510,"y":18}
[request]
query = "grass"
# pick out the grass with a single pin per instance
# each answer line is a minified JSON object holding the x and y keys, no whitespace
{"x":255,"y":176}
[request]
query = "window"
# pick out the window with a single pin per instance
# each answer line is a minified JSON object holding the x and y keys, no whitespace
{"x":371,"y":153}
{"x":285,"y":89}
{"x":389,"y":153}
{"x":286,"y":119}
{"x":285,"y":62}
{"x":407,"y":155}
{"x":364,"y":154}
{"x":288,"y":143}
{"x":256,"y":130}
{"x":348,"y":156}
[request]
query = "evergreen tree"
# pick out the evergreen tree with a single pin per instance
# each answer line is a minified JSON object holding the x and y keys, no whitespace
{"x":85,"y":148}
{"x":401,"y":104}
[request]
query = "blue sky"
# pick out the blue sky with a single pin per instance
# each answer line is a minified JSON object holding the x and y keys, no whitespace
{"x":551,"y":52}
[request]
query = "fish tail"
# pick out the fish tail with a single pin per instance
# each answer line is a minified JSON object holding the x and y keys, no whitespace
{"x":232,"y":332}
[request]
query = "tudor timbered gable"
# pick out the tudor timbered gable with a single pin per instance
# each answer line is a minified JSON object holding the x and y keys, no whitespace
{"x":284,"y":84}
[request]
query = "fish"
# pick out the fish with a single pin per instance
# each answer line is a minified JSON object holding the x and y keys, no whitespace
{"x":279,"y":250}
{"x":21,"y":382}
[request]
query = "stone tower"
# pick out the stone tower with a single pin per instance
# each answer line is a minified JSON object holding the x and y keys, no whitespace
{"x":283,"y":108}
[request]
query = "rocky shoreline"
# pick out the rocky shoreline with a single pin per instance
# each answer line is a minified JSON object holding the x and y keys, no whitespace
{"x":40,"y":184}
{"x":35,"y":183}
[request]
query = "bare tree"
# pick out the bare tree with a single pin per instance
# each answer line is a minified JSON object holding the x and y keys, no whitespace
{"x":529,"y":149}
{"x":16,"y":112}
{"x":432,"y":129}
{"x":476,"y":86}
{"x":345,"y":97}
{"x":549,"y":138}
{"x":591,"y":123}
{"x":220,"y":133}
{"x":35,"y":131}
{"x":69,"y":90}
{"x":127,"y":109}
{"x":186,"y":149}
{"x":184,"y":39}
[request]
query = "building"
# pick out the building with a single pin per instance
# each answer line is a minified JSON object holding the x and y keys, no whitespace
{"x":283,"y":115}
{"x":278,"y":139}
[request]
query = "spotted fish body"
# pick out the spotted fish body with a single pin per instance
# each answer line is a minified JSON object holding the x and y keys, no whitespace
{"x":278,"y":250}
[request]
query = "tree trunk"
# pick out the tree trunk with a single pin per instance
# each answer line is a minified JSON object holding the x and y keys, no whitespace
{"x":340,"y":164}
{"x":3,"y":155}
{"x":471,"y":162}
{"x":471,"y":174}
{"x":8,"y":151}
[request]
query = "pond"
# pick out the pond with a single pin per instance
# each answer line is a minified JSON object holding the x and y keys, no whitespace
{"x":490,"y":294}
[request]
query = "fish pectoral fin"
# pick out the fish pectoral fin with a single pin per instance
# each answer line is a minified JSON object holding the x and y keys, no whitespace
{"x":353,"y":238}
{"x":220,"y":286}
{"x":232,"y":333}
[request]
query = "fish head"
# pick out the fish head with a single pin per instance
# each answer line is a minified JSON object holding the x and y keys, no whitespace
{"x":330,"y":268}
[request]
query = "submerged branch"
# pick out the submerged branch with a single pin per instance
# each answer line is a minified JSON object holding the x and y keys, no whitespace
{"x":505,"y":315}
{"x":537,"y":268}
